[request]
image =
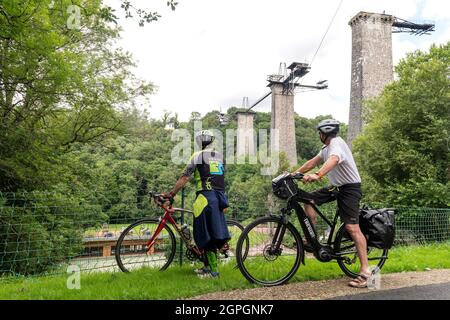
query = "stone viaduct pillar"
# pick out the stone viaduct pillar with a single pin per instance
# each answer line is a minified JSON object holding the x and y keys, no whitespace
{"x":283,"y":119}
{"x":372,"y":66}
{"x":246,"y":136}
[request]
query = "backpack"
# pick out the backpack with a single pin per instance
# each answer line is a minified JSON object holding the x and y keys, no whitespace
{"x":379,"y":227}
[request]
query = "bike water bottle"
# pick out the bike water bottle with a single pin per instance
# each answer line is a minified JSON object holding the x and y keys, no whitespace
{"x":186,"y":231}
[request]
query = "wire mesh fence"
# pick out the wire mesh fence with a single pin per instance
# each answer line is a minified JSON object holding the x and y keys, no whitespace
{"x":43,"y":233}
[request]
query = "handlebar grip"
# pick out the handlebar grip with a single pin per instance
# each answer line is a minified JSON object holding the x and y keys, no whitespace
{"x":298,"y":175}
{"x":158,"y":197}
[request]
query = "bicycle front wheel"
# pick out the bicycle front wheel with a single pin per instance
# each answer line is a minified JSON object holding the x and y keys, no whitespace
{"x":131,"y":250}
{"x":269,"y":252}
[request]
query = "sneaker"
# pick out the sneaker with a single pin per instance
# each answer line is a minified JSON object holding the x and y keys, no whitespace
{"x":209,"y":274}
{"x":202,"y":270}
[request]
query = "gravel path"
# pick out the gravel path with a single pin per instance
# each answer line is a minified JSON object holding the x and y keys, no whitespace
{"x":325,"y":289}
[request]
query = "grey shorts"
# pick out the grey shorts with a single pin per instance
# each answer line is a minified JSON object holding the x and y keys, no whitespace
{"x":347,"y":196}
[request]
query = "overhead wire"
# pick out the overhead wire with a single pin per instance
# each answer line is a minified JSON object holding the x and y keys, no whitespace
{"x":322,"y":40}
{"x":312,"y":60}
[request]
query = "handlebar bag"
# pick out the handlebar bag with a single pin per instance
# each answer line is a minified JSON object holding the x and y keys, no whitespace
{"x":379,"y":227}
{"x":284,"y":186}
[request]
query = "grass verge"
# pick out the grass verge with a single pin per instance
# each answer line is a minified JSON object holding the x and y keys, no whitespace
{"x":181,"y":282}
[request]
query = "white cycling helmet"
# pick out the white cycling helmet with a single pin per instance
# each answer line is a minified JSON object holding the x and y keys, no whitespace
{"x":328,"y":126}
{"x":204,"y":138}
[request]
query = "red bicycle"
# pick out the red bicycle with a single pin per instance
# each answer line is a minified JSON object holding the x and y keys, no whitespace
{"x":151,"y":243}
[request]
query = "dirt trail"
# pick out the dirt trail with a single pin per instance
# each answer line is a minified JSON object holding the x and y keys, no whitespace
{"x":324,"y":289}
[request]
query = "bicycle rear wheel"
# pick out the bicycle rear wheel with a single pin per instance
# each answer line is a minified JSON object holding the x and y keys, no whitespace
{"x":131,"y":249}
{"x":258,"y":257}
{"x":345,"y":246}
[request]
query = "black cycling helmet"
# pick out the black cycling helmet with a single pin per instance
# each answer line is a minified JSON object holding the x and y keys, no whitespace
{"x":328,"y":126}
{"x":204,"y":138}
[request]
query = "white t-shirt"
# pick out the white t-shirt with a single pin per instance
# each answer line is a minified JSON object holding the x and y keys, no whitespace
{"x":345,"y":172}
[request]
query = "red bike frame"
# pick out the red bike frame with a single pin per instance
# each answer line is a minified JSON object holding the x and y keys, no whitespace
{"x":167,"y":216}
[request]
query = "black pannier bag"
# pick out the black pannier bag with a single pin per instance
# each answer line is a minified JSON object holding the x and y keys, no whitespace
{"x":379,"y":227}
{"x":284,"y":186}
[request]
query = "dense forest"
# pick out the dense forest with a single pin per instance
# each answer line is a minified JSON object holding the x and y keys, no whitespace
{"x":75,"y":123}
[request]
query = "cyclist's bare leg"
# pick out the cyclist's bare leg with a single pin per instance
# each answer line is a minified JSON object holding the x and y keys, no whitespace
{"x":311,"y":213}
{"x":361,"y":246}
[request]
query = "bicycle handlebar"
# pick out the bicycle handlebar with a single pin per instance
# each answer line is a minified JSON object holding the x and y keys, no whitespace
{"x":298,"y":176}
{"x":160,"y":199}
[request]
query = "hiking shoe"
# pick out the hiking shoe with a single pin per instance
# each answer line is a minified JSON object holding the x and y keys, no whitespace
{"x":209,"y":274}
{"x":202,"y":270}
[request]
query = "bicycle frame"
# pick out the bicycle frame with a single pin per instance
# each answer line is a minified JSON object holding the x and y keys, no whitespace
{"x":321,"y":252}
{"x":305,"y":221}
{"x":167,"y":217}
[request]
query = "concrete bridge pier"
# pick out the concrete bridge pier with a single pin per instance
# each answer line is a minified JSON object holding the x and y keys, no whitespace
{"x":246,"y":135}
{"x":372,"y":66}
{"x":283,"y":120}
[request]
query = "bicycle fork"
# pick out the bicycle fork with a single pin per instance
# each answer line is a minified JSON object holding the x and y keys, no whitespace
{"x":152,"y":240}
{"x":275,"y":247}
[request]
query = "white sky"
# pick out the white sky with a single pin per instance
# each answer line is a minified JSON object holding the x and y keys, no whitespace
{"x":209,"y":54}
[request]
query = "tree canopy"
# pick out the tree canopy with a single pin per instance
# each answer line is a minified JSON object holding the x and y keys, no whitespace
{"x":58,"y":86}
{"x":404,"y":151}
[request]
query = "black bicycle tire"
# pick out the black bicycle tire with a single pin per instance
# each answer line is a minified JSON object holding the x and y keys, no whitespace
{"x":342,"y":264}
{"x":232,"y":222}
{"x":133,"y":225}
{"x":235,"y":223}
{"x":240,"y":260}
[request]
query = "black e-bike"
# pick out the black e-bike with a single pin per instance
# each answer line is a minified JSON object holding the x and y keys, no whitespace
{"x":270,"y":249}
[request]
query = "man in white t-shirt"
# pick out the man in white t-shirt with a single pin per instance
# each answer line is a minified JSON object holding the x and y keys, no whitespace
{"x":345,"y":188}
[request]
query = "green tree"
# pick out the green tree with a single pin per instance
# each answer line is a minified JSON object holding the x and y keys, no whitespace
{"x":58,"y":86}
{"x":403,"y":152}
{"x":61,"y":91}
{"x":144,"y":16}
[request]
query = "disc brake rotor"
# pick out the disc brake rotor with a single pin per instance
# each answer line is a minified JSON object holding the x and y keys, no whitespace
{"x":269,"y":254}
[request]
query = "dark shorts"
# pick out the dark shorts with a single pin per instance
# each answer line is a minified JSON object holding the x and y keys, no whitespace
{"x":347,"y":196}
{"x":210,"y":226}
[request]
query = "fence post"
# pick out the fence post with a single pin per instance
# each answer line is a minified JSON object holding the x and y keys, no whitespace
{"x":182,"y":222}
